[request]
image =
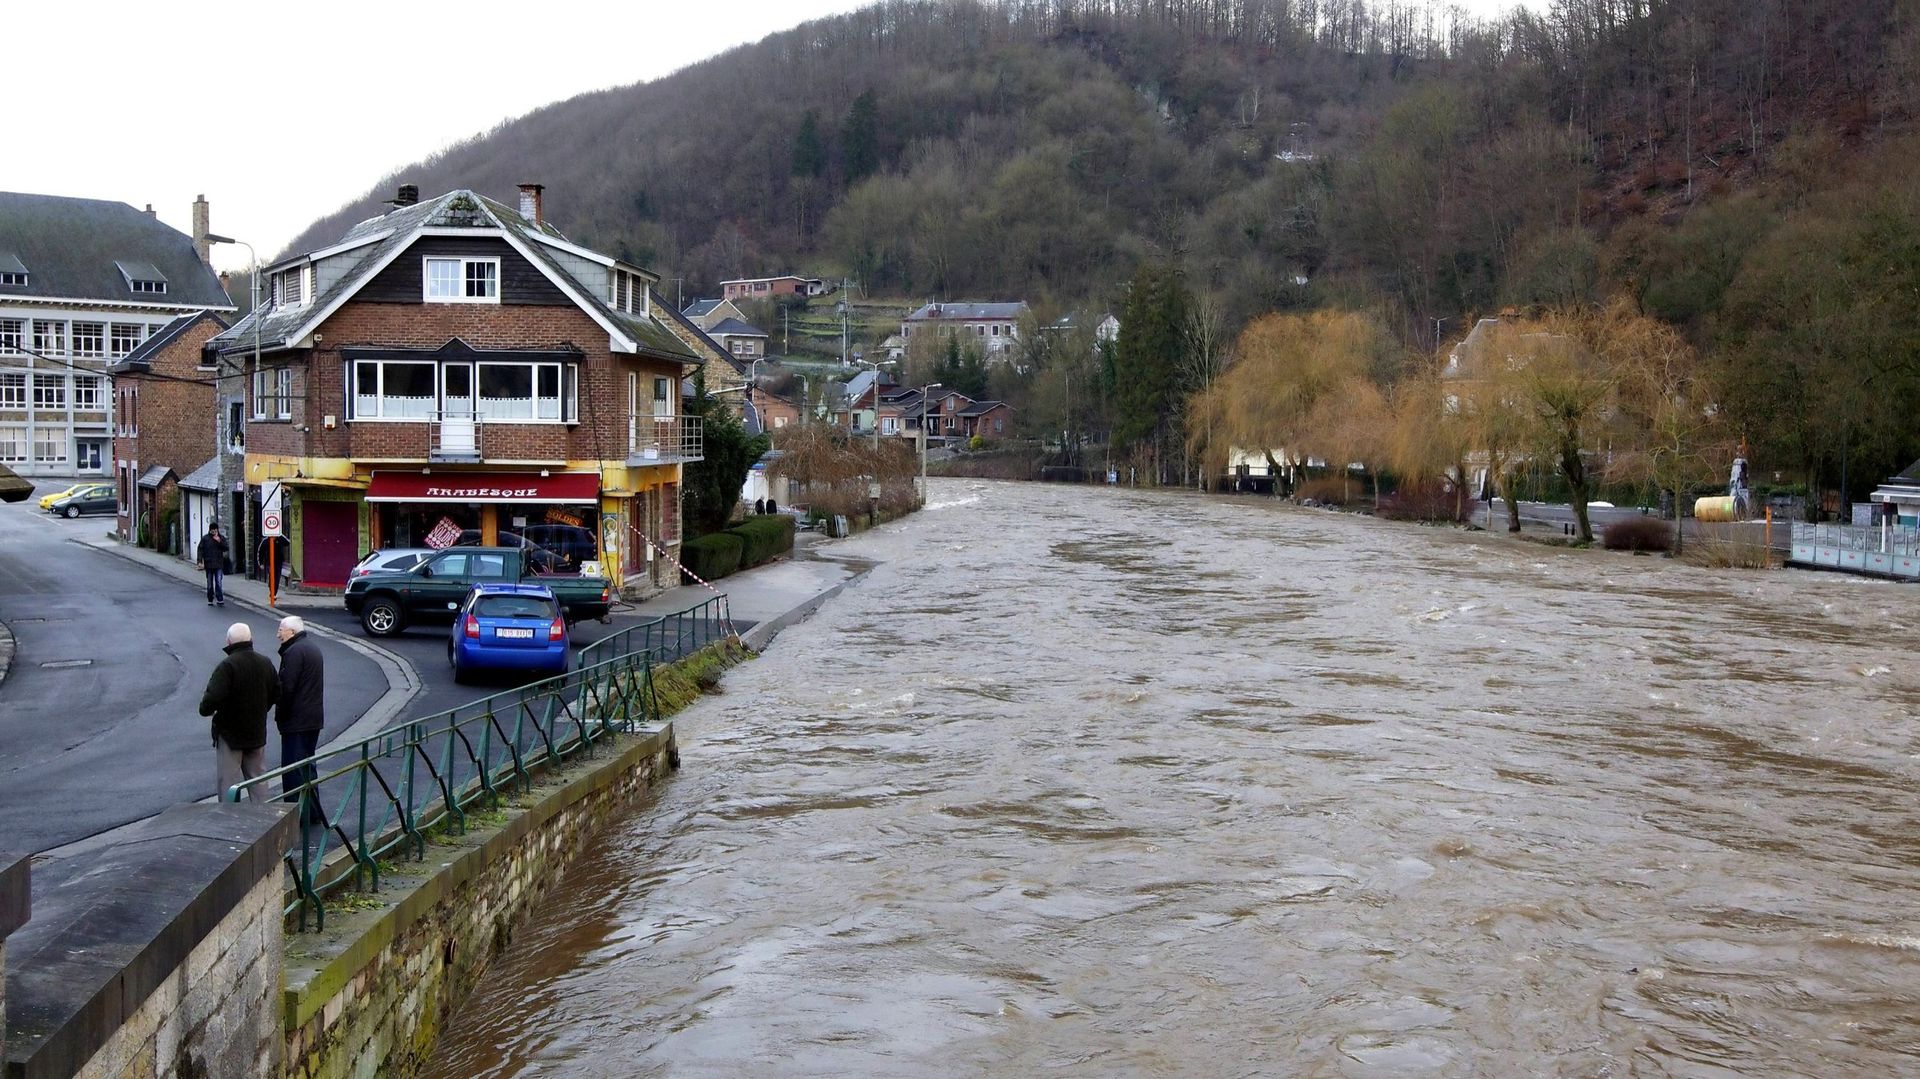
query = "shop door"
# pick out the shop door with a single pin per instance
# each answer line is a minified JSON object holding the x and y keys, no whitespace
{"x":330,"y":538}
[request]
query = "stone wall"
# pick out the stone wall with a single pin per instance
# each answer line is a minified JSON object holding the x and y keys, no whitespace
{"x":215,"y":1014}
{"x":377,"y":1006}
{"x":156,"y":954}
{"x":15,"y":905}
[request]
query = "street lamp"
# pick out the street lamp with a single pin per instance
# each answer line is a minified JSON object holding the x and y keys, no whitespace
{"x":924,"y":391}
{"x":222,"y":444}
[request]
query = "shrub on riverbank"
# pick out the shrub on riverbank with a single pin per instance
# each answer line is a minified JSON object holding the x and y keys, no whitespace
{"x":1732,"y":546}
{"x":1429,"y":501}
{"x":713,"y":556}
{"x":1638,"y":534}
{"x":764,"y":538}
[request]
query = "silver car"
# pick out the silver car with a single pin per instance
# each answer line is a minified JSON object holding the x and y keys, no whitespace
{"x":391,"y":560}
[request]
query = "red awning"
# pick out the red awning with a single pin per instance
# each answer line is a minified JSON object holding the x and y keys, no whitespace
{"x":496,"y":487}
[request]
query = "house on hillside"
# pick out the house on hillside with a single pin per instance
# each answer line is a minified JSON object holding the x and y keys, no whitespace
{"x":1106,"y":328}
{"x":761,"y":288}
{"x":994,"y":327}
{"x":775,"y":411}
{"x":457,"y":365}
{"x":725,"y":373}
{"x":741,"y":339}
{"x":707,"y":314}
{"x":164,"y":426}
{"x":83,"y":282}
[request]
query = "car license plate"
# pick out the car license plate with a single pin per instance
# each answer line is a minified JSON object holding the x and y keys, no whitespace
{"x":524,"y":634}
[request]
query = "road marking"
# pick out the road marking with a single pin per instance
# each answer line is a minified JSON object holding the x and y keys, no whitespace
{"x":57,"y":664}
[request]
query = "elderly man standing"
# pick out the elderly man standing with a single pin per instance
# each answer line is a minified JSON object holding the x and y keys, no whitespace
{"x":239,"y":692}
{"x":302,"y":710}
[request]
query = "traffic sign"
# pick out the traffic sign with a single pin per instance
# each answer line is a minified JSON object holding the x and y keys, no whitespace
{"x":270,"y":524}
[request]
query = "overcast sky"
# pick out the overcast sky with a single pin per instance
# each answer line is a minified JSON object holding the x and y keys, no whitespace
{"x":155,"y":102}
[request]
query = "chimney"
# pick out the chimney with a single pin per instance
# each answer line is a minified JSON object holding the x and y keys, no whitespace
{"x":530,"y":203}
{"x":150,"y":212}
{"x":409,"y":194}
{"x":202,"y":225}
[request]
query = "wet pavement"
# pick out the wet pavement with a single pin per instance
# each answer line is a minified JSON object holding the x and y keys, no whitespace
{"x":1094,"y":782}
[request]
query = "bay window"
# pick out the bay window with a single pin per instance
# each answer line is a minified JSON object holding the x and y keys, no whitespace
{"x":490,"y":391}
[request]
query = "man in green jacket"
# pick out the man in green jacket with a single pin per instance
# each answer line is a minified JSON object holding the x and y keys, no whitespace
{"x":239,"y":693}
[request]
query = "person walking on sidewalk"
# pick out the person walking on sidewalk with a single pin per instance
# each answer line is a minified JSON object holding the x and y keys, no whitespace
{"x":212,"y":557}
{"x":301,"y":713}
{"x":239,"y":692}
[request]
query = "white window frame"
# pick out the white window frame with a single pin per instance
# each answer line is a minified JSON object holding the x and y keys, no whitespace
{"x":50,"y":337}
{"x":94,"y":344}
{"x":86,"y":393}
{"x":13,"y":335}
{"x":13,"y":443}
{"x":129,"y":334}
{"x":566,"y":375}
{"x":380,"y":391}
{"x":49,"y":445}
{"x":9,"y":277}
{"x":57,"y":399}
{"x":13,"y":390}
{"x":280,"y":392}
{"x":301,"y":279}
{"x":460,"y":279}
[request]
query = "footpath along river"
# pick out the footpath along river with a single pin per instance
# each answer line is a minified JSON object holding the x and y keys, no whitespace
{"x":1101,"y":782}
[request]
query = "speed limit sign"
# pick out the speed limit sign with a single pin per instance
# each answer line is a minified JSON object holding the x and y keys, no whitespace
{"x":270,"y":506}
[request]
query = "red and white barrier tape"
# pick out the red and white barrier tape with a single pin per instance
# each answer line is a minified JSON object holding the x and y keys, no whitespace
{"x":676,"y":562}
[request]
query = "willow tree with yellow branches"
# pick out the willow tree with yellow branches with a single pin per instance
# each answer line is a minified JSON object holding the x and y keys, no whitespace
{"x":1299,"y":384}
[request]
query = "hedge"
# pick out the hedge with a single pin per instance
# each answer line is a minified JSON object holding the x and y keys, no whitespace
{"x":712,"y":557}
{"x":765,"y":537}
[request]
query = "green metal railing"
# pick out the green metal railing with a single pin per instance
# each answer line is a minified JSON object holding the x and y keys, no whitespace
{"x":668,"y":637}
{"x":384,"y":795}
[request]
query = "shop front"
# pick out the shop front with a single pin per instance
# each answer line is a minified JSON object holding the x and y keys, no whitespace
{"x":556,"y":515}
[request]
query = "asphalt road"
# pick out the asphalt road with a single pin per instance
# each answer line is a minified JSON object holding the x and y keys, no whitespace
{"x":99,"y":716}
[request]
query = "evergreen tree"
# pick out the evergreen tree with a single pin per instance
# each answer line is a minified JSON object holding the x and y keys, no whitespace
{"x":860,"y":139}
{"x":1147,"y":361}
{"x":711,"y":486}
{"x":809,"y":152}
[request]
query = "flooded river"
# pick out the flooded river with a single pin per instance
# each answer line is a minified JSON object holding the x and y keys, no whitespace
{"x":1089,"y":783}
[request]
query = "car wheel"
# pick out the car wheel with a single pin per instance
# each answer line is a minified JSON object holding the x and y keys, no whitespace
{"x":72,"y":512}
{"x":381,"y":618}
{"x":459,"y":672}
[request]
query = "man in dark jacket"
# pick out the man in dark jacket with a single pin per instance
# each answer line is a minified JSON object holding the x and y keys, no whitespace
{"x":301,"y":712}
{"x":212,"y":557}
{"x":238,"y":695}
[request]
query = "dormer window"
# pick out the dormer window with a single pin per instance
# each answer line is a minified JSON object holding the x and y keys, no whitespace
{"x":290,"y":287}
{"x":462,"y":280}
{"x":143,"y":277}
{"x":12,"y":270}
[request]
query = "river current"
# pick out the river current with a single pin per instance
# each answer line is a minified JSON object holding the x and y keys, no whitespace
{"x":1092,"y":782}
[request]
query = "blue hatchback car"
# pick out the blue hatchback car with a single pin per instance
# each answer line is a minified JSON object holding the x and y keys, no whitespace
{"x":509,"y":627}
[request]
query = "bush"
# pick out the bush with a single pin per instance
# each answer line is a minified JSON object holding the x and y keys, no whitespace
{"x":713,"y":556}
{"x":1329,"y":491}
{"x":1638,"y":534}
{"x":1429,"y":501}
{"x":763,"y":538}
{"x":1729,"y":547}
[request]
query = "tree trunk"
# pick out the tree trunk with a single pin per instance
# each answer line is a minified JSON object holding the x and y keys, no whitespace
{"x":1576,"y":472}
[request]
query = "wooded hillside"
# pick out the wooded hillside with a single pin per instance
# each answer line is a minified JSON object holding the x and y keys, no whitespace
{"x":1395,"y":158}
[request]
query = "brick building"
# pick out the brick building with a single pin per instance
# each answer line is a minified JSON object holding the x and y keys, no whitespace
{"x":82,"y":283}
{"x":453,"y":367}
{"x":163,"y":427}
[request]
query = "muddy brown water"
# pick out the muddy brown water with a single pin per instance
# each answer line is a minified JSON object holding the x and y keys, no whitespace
{"x":1087,"y":782}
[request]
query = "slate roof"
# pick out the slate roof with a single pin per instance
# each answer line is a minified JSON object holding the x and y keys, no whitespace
{"x":154,"y":476}
{"x":698,"y":308}
{"x":685,"y":319}
{"x":141,"y":358}
{"x":1909,"y":474}
{"x":965,"y":311}
{"x":74,"y":249}
{"x":733,"y":327}
{"x":392,"y":232}
{"x":204,"y":478}
{"x":979,"y":408}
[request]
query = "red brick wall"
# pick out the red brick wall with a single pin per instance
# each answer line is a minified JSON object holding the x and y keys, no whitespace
{"x":176,"y":418}
{"x":319,"y":383}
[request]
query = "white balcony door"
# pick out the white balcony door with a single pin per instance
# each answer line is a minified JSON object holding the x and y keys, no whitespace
{"x":457,"y":433}
{"x":633,"y":412}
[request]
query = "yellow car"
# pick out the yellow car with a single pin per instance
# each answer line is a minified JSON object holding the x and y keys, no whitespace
{"x":47,"y":501}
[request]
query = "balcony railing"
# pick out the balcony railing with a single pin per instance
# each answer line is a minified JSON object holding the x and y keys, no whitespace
{"x":665,"y":439}
{"x":454,"y":436}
